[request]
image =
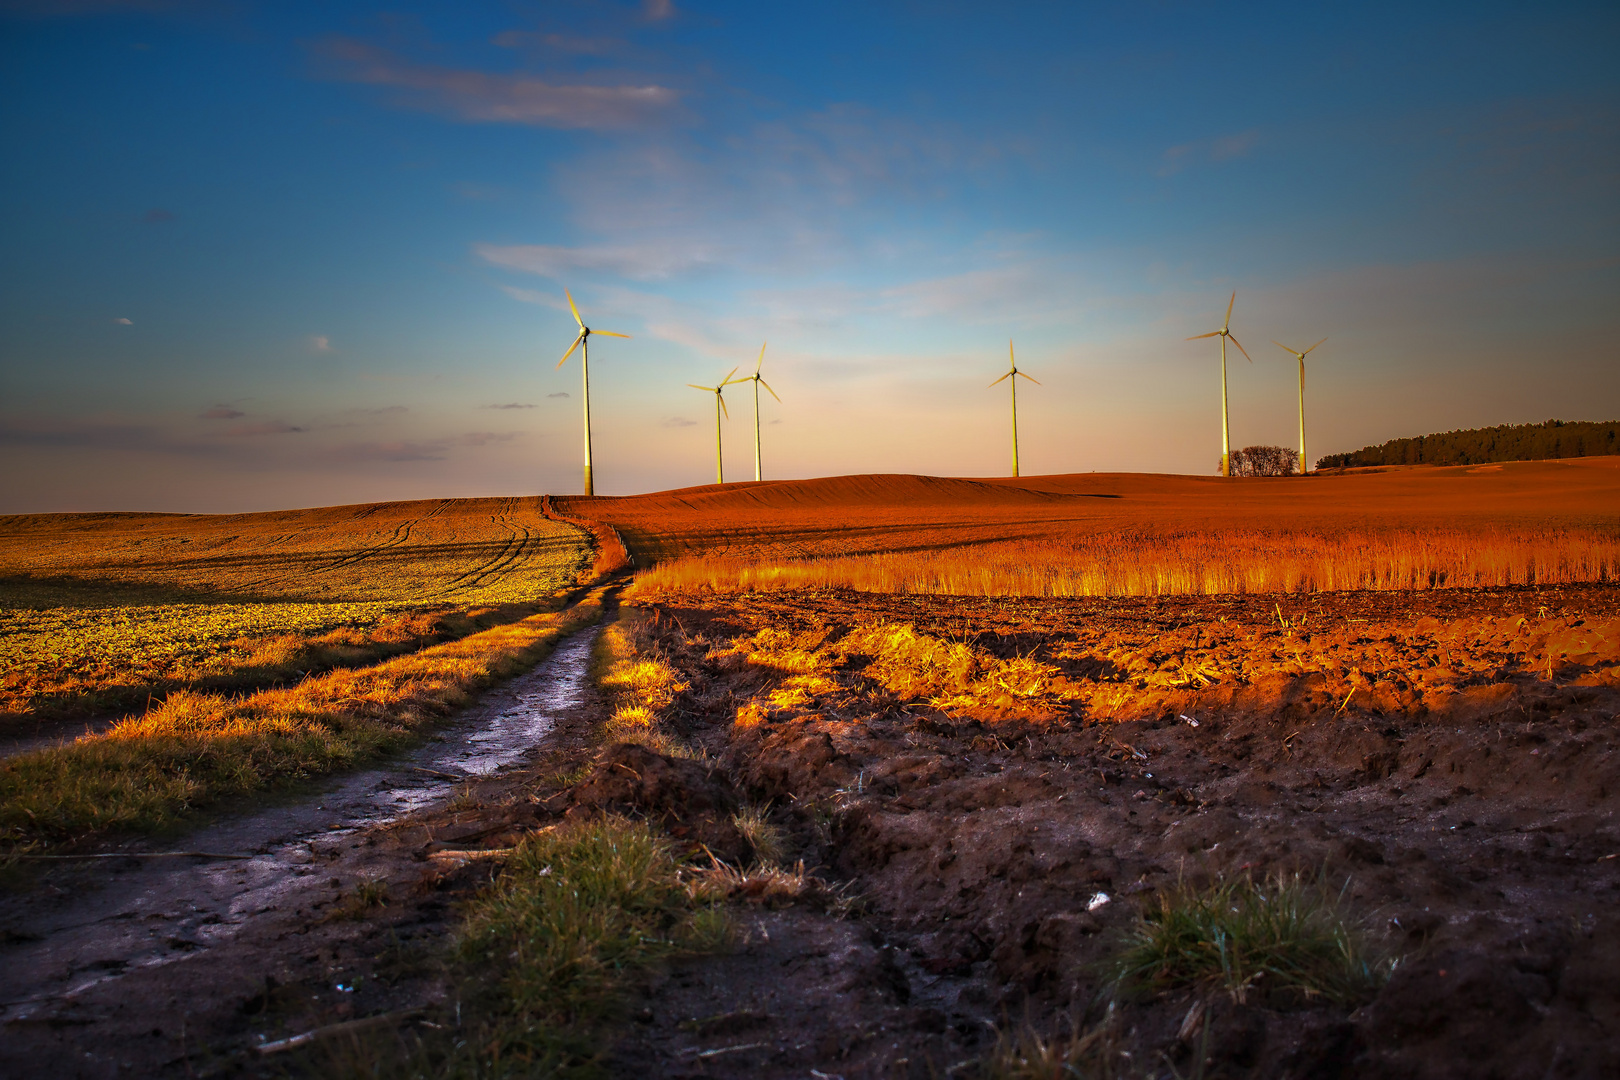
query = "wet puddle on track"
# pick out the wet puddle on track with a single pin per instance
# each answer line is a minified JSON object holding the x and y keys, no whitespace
{"x":158,"y":911}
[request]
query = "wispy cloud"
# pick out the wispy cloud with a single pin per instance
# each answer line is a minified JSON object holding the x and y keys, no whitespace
{"x":558,"y":394}
{"x":123,"y":322}
{"x":494,"y":98}
{"x":320,"y":343}
{"x":220,"y":412}
{"x":509,"y":405}
{"x":534,"y":296}
{"x":1222,"y":148}
{"x":573,"y":44}
{"x":637,"y":262}
{"x":678,"y":421}
{"x":794,"y":195}
{"x":264,"y":427}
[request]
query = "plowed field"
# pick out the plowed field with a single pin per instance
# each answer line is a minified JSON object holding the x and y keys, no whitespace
{"x":1009,"y":784}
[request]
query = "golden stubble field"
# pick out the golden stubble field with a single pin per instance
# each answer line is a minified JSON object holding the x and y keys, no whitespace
{"x":1098,"y":534}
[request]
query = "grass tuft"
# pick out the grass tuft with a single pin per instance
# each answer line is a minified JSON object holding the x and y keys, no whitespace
{"x":766,"y":840}
{"x":577,"y":909}
{"x":1289,"y":938}
{"x":1024,"y":1053}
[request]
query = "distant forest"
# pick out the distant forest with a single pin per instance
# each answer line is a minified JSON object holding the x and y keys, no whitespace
{"x":1506,"y":442}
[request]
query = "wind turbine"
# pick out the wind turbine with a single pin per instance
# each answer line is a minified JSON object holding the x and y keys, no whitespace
{"x":1013,"y":374}
{"x":719,"y":403}
{"x":583,"y":341}
{"x":1303,"y":468}
{"x":757,"y":380}
{"x":1226,"y":429}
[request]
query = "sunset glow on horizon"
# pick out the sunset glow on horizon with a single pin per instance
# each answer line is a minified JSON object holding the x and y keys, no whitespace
{"x":261,"y":256}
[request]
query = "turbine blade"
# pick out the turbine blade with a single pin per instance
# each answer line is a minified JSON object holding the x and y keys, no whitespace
{"x":767,"y":386}
{"x":1241,"y":349}
{"x":1229,"y":304}
{"x":1212,"y":333}
{"x":1031,"y":378}
{"x":1004,"y":378}
{"x":695,"y":386}
{"x":761,"y":362}
{"x":1314,"y":346}
{"x":571,"y":349}
{"x":722,"y":400}
{"x":727,"y":379}
{"x":1286,"y":349}
{"x":574,"y":309}
{"x":1011,"y":360}
{"x":609,"y":333}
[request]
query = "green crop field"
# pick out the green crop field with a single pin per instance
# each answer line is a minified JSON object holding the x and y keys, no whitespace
{"x":97,"y":611}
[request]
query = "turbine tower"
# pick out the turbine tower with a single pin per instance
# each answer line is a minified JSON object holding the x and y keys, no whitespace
{"x":1226,"y":428}
{"x":1303,"y":467}
{"x":1013,"y":375}
{"x":757,"y":380}
{"x":719,"y":393}
{"x":582,"y":341}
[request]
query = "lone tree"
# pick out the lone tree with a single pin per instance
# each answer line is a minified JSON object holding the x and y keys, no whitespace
{"x":1264,"y":461}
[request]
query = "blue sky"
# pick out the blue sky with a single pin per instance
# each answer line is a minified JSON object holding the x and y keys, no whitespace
{"x":260,"y":255}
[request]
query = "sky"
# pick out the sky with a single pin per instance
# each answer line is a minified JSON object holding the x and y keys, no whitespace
{"x":261,"y":255}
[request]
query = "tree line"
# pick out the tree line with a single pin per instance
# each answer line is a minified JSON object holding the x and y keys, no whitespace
{"x":1505,"y":442}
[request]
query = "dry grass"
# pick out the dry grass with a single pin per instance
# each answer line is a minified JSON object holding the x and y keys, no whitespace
{"x":640,"y":682}
{"x":1200,"y":563}
{"x":896,"y":660}
{"x":146,"y":772}
{"x":767,"y":841}
{"x":1110,"y":674}
{"x":1024,"y":1053}
{"x":773,"y":886}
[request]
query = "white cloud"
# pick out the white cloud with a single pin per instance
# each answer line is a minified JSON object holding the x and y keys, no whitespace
{"x":320,"y":343}
{"x":122,"y":322}
{"x":1221,"y":148}
{"x":490,"y":98}
{"x":637,"y":262}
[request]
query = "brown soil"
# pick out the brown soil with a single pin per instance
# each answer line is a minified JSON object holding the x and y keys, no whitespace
{"x":1474,"y":825}
{"x":1480,"y":840}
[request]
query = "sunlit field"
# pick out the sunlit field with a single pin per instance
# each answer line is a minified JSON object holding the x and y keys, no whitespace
{"x":99,"y":611}
{"x":1125,"y":564}
{"x":1529,"y":523}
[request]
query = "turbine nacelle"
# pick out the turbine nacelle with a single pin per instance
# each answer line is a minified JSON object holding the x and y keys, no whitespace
{"x":584,"y":331}
{"x":1225,"y":331}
